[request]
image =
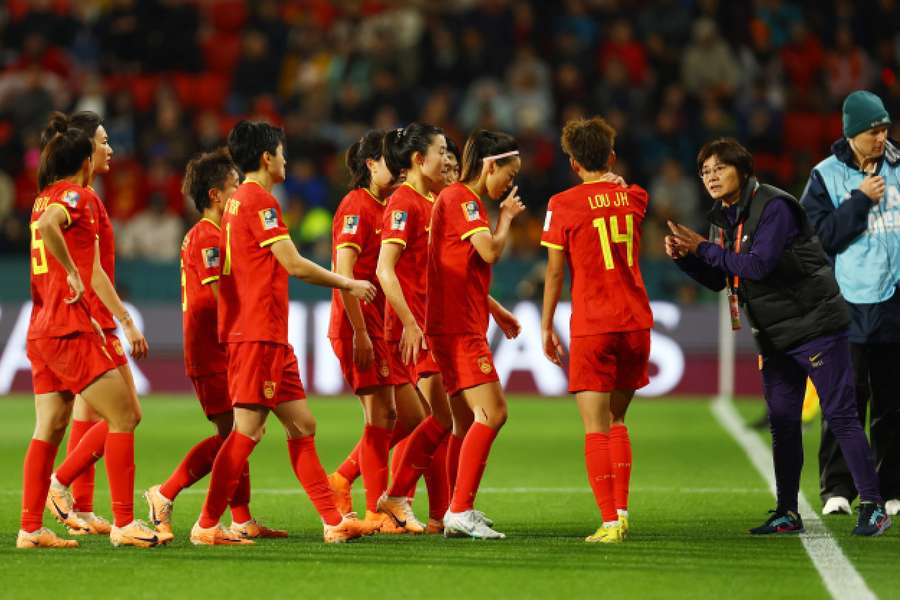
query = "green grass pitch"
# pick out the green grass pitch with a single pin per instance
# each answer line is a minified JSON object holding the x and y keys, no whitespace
{"x":694,"y":494}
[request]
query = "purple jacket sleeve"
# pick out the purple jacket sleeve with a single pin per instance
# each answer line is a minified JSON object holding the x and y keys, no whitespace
{"x":777,"y":228}
{"x":707,"y":276}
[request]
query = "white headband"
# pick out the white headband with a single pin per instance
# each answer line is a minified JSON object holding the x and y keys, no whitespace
{"x":499,"y":156}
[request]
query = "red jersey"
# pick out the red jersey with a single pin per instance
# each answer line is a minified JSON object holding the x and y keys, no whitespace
{"x":459,"y":280}
{"x":200,"y":265}
{"x":598,"y":226}
{"x":50,"y":315}
{"x":407,"y":218}
{"x":253,"y":289}
{"x":107,"y":239}
{"x":357,"y":224}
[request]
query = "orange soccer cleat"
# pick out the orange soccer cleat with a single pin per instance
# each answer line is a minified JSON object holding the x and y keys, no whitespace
{"x":382,"y":523}
{"x":435,"y":527}
{"x":215,"y":536}
{"x":96,"y":525}
{"x":160,"y":509}
{"x":253,"y":529}
{"x":348,"y":529}
{"x":43,"y":538}
{"x":400,"y":509}
{"x":59,"y":503}
{"x":340,"y":488}
{"x":138,"y":534}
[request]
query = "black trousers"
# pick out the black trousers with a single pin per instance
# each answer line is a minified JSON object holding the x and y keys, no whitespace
{"x":876,"y":370}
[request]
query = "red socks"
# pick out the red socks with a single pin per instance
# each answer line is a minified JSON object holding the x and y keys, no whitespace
{"x":240,"y":501}
{"x":197,"y":463}
{"x":312,"y":477}
{"x":375,"y":446}
{"x":454,"y":445}
{"x":89,"y":450}
{"x":416,"y":457}
{"x":600,"y":475}
{"x":473,"y":458}
{"x":120,"y":471}
{"x":399,"y":449}
{"x":83,"y":486}
{"x":227,"y":471}
{"x":437,"y":482}
{"x":36,"y":483}
{"x":350,"y":468}
{"x":620,"y":455}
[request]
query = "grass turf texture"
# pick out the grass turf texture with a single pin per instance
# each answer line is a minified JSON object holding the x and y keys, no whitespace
{"x":694,"y":494}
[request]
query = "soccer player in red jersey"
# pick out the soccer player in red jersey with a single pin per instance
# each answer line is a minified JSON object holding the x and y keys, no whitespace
{"x":86,"y":424}
{"x":463,"y":248}
{"x":210,"y":180}
{"x":595,"y":227}
{"x":66,"y":350}
{"x":263,"y":375}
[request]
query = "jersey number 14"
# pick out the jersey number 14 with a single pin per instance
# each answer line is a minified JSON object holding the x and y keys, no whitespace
{"x":610,"y":234}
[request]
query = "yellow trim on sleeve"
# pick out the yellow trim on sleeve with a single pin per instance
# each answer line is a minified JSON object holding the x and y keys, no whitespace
{"x":66,"y":210}
{"x":394,"y":241}
{"x":554,"y":246}
{"x":210,"y":279}
{"x":356,"y":247}
{"x":472,"y":232}
{"x":271,"y":241}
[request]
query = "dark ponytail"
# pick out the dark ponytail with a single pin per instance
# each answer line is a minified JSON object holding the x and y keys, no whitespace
{"x":483,"y":143}
{"x":205,"y":172}
{"x":64,"y":150}
{"x":367,"y":147}
{"x":400,"y":145}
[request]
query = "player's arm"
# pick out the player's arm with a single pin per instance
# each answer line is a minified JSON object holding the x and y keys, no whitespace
{"x":50,"y":226}
{"x":104,"y":289}
{"x":306,"y":270}
{"x":363,"y":351}
{"x":553,"y":283}
{"x":412,"y":339}
{"x":490,"y":245}
{"x":506,"y":321}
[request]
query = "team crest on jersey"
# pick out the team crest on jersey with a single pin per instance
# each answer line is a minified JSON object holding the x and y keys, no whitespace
{"x":117,"y":346}
{"x":398,"y":220}
{"x":71,"y":198}
{"x":470,"y":210}
{"x":269,"y":218}
{"x":211,"y":257}
{"x":384,"y":370}
{"x":547,"y":220}
{"x":269,"y":389}
{"x":484,"y":363}
{"x":351,"y":224}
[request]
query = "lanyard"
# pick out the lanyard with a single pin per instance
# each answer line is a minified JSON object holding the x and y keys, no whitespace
{"x":737,"y":248}
{"x":733,"y":303}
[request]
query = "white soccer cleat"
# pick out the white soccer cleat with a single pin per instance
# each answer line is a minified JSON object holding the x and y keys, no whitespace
{"x":892,"y":507}
{"x":484,"y":518}
{"x":836,"y":505}
{"x":469,"y":524}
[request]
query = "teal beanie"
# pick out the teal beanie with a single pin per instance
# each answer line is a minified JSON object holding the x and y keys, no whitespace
{"x":862,"y":111}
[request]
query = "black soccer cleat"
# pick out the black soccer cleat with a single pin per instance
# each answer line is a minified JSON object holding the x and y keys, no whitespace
{"x":781,"y":521}
{"x":872,"y":520}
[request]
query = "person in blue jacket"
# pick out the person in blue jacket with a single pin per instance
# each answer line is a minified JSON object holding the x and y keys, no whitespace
{"x":853,"y":201}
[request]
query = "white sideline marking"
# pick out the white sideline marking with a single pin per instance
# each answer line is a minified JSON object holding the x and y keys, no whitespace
{"x":841,"y":579}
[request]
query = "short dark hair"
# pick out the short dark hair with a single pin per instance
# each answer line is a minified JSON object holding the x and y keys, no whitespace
{"x":481,"y":144}
{"x":589,"y":141}
{"x":365,"y":148}
{"x":730,"y":152}
{"x":453,"y":149}
{"x":64,"y":150}
{"x":248,"y":140}
{"x":205,"y":172}
{"x":400,"y":144}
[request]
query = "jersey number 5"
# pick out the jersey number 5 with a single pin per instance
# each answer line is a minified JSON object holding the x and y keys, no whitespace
{"x":39,"y":262}
{"x":617,"y":237}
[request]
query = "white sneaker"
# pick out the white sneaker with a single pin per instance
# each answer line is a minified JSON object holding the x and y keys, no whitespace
{"x":892,"y":507}
{"x":468,"y":524}
{"x":484,"y":518}
{"x":836,"y":505}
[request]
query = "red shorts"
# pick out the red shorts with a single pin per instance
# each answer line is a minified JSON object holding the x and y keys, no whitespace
{"x":114,"y":348}
{"x":465,"y":360}
{"x":426,"y":365}
{"x":378,"y":373}
{"x":212,"y":392}
{"x":69,"y":363}
{"x":264,"y":373}
{"x":609,"y":361}
{"x":400,"y":372}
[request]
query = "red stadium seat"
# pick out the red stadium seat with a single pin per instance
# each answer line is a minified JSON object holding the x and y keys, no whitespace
{"x":834,"y":127}
{"x":221,"y":51}
{"x":143,"y":91}
{"x":210,"y":91}
{"x":227,"y":15}
{"x":804,"y":132}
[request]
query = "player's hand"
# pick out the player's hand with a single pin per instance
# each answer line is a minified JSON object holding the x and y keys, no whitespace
{"x":508,"y":323}
{"x":512,"y":206}
{"x":610,"y":177}
{"x":97,"y":329}
{"x":136,"y":340}
{"x":363,"y":351}
{"x":673,"y":251}
{"x":411,"y":343}
{"x":77,"y":287}
{"x":364,"y":290}
{"x":685,"y":239}
{"x":553,"y":350}
{"x":873,"y":187}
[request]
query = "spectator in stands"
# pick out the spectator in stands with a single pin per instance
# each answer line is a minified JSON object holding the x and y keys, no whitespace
{"x":708,"y":65}
{"x":154,"y":234}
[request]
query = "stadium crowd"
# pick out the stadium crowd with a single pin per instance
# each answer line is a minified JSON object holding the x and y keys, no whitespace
{"x":171,"y":77}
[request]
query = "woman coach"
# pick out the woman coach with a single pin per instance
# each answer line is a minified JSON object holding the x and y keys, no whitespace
{"x":764,"y":252}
